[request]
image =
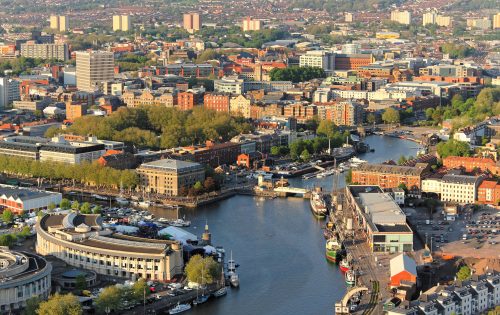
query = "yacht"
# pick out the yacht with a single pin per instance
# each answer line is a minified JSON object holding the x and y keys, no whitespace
{"x":200,"y":299}
{"x":144,"y":204}
{"x":231,"y":272}
{"x":180,"y":223}
{"x":180,"y":308}
{"x":122,"y":201}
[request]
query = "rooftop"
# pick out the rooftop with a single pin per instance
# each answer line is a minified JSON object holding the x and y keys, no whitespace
{"x":172,"y":165}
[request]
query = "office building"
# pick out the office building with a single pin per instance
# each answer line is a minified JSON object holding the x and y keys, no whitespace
{"x":24,"y":276}
{"x":122,"y":23}
{"x":192,"y":22}
{"x":318,"y":59}
{"x":9,"y":92}
{"x":93,"y":68}
{"x":352,"y":61}
{"x":45,"y":51}
{"x":461,"y":189}
{"x":249,"y":24}
{"x":169,"y":176}
{"x":72,"y":152}
{"x":22,"y":200}
{"x":348,"y":17}
{"x":347,"y":113}
{"x":75,"y":110}
{"x":217,"y":102}
{"x":59,"y":23}
{"x":402,"y":17}
{"x":82,"y":241}
{"x":381,"y":218}
{"x":496,"y":21}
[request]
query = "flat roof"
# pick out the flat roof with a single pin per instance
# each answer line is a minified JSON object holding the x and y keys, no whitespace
{"x":172,"y":165}
{"x":382,"y":209}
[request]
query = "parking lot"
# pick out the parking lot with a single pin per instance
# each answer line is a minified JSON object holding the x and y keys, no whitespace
{"x":471,"y":234}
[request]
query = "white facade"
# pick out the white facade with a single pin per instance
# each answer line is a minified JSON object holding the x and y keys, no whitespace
{"x":9,"y":92}
{"x":431,"y":185}
{"x":318,"y":59}
{"x":402,"y":17}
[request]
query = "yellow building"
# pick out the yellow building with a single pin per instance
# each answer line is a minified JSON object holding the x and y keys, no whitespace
{"x":148,"y":98}
{"x":387,"y":35}
{"x":82,"y":241}
{"x":192,"y":22}
{"x":496,"y":21}
{"x":122,"y":23}
{"x":59,"y":23}
{"x":249,"y":24}
{"x":169,"y":176}
{"x":240,"y":105}
{"x":402,"y":17}
{"x":433,"y":17}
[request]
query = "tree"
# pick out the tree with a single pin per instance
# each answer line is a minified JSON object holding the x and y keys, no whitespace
{"x":25,"y":232}
{"x":199,"y":269}
{"x":348,"y":176}
{"x":65,"y":204}
{"x":275,"y":150}
{"x":32,"y":305}
{"x":139,"y":288}
{"x":75,"y":205}
{"x":371,"y":118}
{"x":110,"y":297}
{"x":453,"y":148}
{"x":326,"y":128}
{"x":85,"y":208}
{"x":7,"y":240}
{"x":59,"y":304}
{"x":464,"y":273}
{"x":402,"y":160}
{"x":198,"y":186}
{"x":403,"y":186}
{"x":209,"y":184}
{"x":97,"y":209}
{"x":80,"y":283}
{"x":7,"y":216}
{"x":305,"y":155}
{"x":51,"y":206}
{"x":390,"y":116}
{"x":296,"y":74}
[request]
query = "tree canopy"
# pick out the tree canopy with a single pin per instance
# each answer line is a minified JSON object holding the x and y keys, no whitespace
{"x":202,"y":270}
{"x":391,"y":116}
{"x":453,"y":148}
{"x":159,"y":127}
{"x":463,"y":273}
{"x":296,"y":74}
{"x":59,"y":304}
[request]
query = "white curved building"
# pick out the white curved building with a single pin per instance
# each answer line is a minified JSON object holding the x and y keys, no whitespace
{"x":22,"y":276}
{"x":81,"y":241}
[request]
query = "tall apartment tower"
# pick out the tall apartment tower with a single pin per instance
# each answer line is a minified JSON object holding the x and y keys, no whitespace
{"x":348,"y":17}
{"x":122,"y":23}
{"x":433,"y":17}
{"x":496,"y":21}
{"x":249,"y":24}
{"x":9,"y":92}
{"x":93,"y":68}
{"x":402,"y":17}
{"x":59,"y":23}
{"x":192,"y":22}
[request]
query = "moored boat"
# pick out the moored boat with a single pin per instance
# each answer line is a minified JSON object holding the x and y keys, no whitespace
{"x":345,"y":265}
{"x":350,"y":277}
{"x":318,"y":205}
{"x":179,"y":308}
{"x":200,"y":299}
{"x":221,"y":292}
{"x":332,"y":250}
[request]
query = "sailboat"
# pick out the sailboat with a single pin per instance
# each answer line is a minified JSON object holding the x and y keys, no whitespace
{"x":231,"y":272}
{"x":120,"y":199}
{"x":222,"y":291}
{"x":200,"y":299}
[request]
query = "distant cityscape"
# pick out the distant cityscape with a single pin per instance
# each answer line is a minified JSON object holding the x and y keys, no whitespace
{"x":121,"y":122}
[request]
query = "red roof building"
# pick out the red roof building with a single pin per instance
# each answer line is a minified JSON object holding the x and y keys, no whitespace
{"x":471,"y":163}
{"x":403,"y":268}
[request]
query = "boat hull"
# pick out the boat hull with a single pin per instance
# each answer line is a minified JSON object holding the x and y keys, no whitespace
{"x":344,"y":268}
{"x":332,"y":256}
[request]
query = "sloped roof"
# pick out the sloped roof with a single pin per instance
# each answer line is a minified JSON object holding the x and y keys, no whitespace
{"x":403,"y":263}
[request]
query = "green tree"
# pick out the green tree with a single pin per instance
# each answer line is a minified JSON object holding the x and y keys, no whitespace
{"x":32,"y":305}
{"x":97,"y":209}
{"x":65,"y":204}
{"x":453,"y":148}
{"x":296,"y":74}
{"x":51,"y":206}
{"x":25,"y":231}
{"x":7,"y":216}
{"x":371,"y":118}
{"x":59,"y":304}
{"x":110,"y":297}
{"x":199,"y":269}
{"x":305,"y":155}
{"x":80,"y":283}
{"x":75,"y":205}
{"x":275,"y":150}
{"x":7,"y":240}
{"x":139,"y":288}
{"x":198,"y":186}
{"x":464,"y":273}
{"x":390,"y":116}
{"x":402,"y":160}
{"x":403,"y":186}
{"x":326,"y":128}
{"x":348,"y":176}
{"x":86,"y":208}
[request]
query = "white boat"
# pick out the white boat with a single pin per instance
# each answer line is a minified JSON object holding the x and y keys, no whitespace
{"x":163,"y":220}
{"x":179,"y":308}
{"x":200,"y":299}
{"x":144,"y":204}
{"x":98,"y":197}
{"x":221,"y":292}
{"x":231,"y":272}
{"x":180,"y":223}
{"x":122,"y":201}
{"x":350,"y":278}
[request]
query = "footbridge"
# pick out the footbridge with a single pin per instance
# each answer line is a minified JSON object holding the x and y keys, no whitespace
{"x":341,"y":307}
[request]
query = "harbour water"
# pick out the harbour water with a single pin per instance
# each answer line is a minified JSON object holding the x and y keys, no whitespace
{"x":280,"y":247}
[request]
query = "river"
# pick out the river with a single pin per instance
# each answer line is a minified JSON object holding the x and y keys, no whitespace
{"x":280,"y":247}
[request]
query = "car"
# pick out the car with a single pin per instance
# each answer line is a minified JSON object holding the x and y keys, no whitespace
{"x":186,"y":288}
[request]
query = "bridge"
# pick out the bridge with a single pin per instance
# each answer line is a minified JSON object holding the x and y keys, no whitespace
{"x":292,"y":190}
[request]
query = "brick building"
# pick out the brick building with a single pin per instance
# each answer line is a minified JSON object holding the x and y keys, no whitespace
{"x":390,"y":176}
{"x":488,"y":192}
{"x":471,"y":163}
{"x":354,"y":61}
{"x":187,"y":100}
{"x":217,"y":102}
